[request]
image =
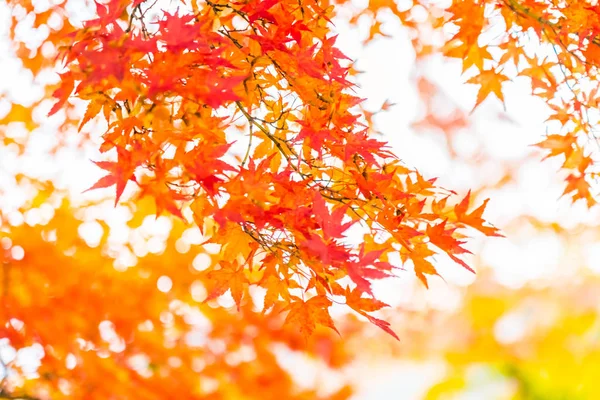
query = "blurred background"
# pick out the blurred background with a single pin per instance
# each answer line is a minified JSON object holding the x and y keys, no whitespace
{"x":525,"y":326}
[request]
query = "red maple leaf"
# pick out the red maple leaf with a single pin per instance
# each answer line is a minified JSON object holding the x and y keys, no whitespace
{"x":119,"y":172}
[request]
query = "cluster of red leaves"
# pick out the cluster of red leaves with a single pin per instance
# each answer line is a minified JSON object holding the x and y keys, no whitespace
{"x":171,"y":90}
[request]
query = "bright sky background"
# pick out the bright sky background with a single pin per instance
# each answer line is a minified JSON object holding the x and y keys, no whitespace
{"x":388,"y":64}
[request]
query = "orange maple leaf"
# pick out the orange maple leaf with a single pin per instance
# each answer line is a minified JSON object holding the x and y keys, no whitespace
{"x":305,"y":316}
{"x":229,"y":277}
{"x":474,"y":219}
{"x":490,"y":81}
{"x":362,"y":305}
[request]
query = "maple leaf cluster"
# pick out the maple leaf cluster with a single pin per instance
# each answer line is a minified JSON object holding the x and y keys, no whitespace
{"x":553,"y":45}
{"x":174,"y":91}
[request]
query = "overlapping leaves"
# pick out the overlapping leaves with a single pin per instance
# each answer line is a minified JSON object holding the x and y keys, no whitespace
{"x":178,"y":85}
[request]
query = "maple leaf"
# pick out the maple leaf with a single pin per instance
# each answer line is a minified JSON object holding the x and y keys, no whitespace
{"x":330,"y":223}
{"x":97,"y":102}
{"x":490,"y":81}
{"x":305,"y":316}
{"x":229,"y":277}
{"x":476,"y":56}
{"x":579,"y":188}
{"x":367,"y":148}
{"x":325,"y":251}
{"x":558,"y":144}
{"x":422,"y":267}
{"x":367,"y":267}
{"x":474,"y":219}
{"x":442,"y":238}
{"x":276,"y":288}
{"x":204,"y":164}
{"x":259,"y":10}
{"x":382,"y":324}
{"x":120,"y":172}
{"x":296,"y":29}
{"x":363,"y":305}
{"x":107,"y":13}
{"x":164,"y":198}
{"x":63,"y":92}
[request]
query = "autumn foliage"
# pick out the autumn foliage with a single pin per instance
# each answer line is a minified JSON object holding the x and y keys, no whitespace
{"x":239,"y":121}
{"x":174,"y":92}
